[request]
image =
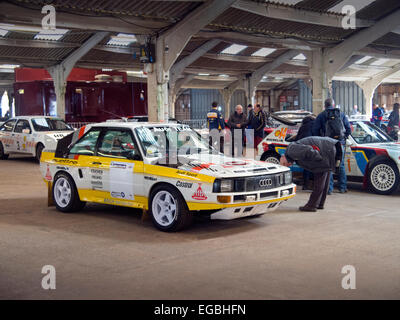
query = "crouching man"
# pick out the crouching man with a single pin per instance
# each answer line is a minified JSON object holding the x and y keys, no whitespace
{"x":320,"y":155}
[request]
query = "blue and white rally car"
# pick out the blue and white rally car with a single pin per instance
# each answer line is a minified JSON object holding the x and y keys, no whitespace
{"x":371,"y":157}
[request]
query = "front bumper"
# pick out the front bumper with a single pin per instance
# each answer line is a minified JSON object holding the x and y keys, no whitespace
{"x":262,"y":205}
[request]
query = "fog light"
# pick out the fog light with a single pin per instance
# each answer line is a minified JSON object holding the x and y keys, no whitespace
{"x":224,"y":199}
{"x":285,"y":193}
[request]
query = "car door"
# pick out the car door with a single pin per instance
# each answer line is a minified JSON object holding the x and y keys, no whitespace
{"x":23,"y":137}
{"x":121,"y":165}
{"x":6,"y":136}
{"x":82,"y":156}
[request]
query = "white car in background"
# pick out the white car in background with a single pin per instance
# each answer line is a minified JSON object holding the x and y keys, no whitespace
{"x":31,"y":134}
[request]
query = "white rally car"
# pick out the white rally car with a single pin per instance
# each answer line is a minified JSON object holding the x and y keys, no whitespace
{"x":371,"y":157}
{"x":166,"y":169}
{"x":31,"y":134}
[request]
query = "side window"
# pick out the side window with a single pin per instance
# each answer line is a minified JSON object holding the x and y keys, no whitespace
{"x":87,"y":144}
{"x":118,"y":144}
{"x":23,"y":127}
{"x":8,"y":126}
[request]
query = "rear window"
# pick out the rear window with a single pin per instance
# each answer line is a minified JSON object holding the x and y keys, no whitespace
{"x":46,"y":124}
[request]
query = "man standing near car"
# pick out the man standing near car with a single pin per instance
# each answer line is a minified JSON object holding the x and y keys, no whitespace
{"x":377,"y":115}
{"x":320,"y":155}
{"x":215,"y":124}
{"x":237,"y":123}
{"x":257,"y":123}
{"x":334,"y":124}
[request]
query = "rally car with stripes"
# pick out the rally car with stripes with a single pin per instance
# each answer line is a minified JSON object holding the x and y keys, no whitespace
{"x":29,"y":135}
{"x":371,"y":156}
{"x":167,"y":170}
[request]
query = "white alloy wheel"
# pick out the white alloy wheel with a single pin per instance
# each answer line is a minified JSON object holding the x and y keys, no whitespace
{"x":62,"y":192}
{"x":164,"y":208}
{"x":383,"y":177}
{"x":272,"y":159}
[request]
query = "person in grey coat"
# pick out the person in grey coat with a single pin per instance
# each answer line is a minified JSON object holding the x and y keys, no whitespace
{"x":321,"y":156}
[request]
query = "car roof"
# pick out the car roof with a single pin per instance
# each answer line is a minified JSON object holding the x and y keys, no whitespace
{"x":34,"y":117}
{"x":123,"y":124}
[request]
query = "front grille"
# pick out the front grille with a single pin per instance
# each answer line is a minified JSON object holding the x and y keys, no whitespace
{"x":264,"y":182}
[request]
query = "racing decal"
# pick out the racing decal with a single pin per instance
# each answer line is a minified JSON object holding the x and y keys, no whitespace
{"x":199,"y":194}
{"x":150,"y":178}
{"x":182,"y":184}
{"x":363,"y":155}
{"x":186,"y":173}
{"x":121,"y":180}
{"x":48,"y":175}
{"x":96,"y":179}
{"x":202,"y":166}
{"x":65,"y":161}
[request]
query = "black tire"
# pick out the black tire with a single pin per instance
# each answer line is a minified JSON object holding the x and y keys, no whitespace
{"x":182,"y":217}
{"x":269,"y":156}
{"x":3,"y":156}
{"x":39,"y":150}
{"x":383,"y":177}
{"x":74,"y":204}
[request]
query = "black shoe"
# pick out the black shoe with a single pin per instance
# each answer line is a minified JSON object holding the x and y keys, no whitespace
{"x":320,"y":207}
{"x":307,"y":209}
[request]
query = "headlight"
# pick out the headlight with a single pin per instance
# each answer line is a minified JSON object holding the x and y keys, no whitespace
{"x":288,"y":177}
{"x":226,"y":185}
{"x":223,"y":185}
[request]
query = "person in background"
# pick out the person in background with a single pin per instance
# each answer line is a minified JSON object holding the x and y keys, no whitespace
{"x":305,"y":131}
{"x":215,"y":121}
{"x":320,"y":155}
{"x":257,"y":123}
{"x":393,"y":125}
{"x":355,"y":111}
{"x":237,"y":123}
{"x":377,"y":115}
{"x":334,"y":124}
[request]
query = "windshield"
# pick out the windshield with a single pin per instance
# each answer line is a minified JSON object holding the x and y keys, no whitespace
{"x":156,"y":141}
{"x":47,"y":124}
{"x":365,"y":132}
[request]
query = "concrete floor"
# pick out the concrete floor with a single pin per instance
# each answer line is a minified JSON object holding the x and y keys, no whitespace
{"x":107,"y":252}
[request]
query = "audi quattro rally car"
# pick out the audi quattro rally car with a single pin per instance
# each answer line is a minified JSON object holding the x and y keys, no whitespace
{"x":166,"y":169}
{"x":31,"y":134}
{"x":371,"y":155}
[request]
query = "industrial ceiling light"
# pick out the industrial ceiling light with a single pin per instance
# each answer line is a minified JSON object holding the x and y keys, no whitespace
{"x":300,"y":56}
{"x":379,"y":62}
{"x":263,"y":52}
{"x":204,"y":74}
{"x":234,"y":49}
{"x":51,"y":35}
{"x":362,"y":60}
{"x":9,"y":66}
{"x":122,"y":39}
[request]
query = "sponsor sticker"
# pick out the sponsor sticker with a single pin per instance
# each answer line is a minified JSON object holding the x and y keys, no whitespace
{"x":183,"y":184}
{"x":199,"y":194}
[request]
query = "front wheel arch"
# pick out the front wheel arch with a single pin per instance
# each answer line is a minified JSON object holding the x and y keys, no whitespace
{"x":270,"y":154}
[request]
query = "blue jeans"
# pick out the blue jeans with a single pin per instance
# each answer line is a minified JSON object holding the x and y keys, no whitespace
{"x":342,"y":178}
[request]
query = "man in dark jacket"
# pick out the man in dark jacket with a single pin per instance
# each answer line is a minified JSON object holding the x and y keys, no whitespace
{"x":237,"y":123}
{"x":320,"y":129}
{"x":215,"y":124}
{"x":304,"y":132}
{"x":377,"y":115}
{"x":320,"y":155}
{"x":257,"y":123}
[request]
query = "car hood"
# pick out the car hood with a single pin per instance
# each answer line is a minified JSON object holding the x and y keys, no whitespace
{"x":222,"y":166}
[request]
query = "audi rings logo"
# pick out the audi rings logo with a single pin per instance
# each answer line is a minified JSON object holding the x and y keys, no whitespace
{"x":265,"y":183}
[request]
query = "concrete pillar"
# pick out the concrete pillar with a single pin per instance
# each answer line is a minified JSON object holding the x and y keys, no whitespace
{"x":227,"y":97}
{"x":157,"y":98}
{"x":60,"y":86}
{"x":322,"y":80}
